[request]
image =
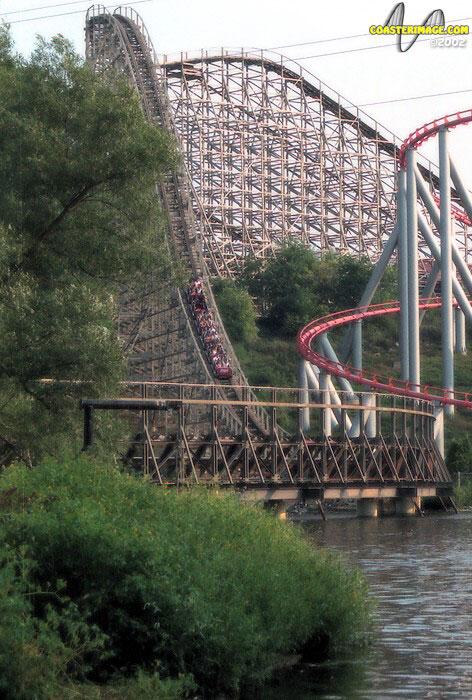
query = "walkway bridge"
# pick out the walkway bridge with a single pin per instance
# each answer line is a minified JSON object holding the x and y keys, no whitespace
{"x":381,"y":447}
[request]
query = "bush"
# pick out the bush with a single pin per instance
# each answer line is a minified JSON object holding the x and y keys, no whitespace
{"x":459,"y":454}
{"x":174,"y":583}
{"x":37,"y":654}
{"x":463,"y":495}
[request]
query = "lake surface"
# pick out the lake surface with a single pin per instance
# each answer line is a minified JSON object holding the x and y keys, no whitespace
{"x":420,"y":572}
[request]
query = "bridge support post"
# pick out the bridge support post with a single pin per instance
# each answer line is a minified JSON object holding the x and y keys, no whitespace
{"x":367,"y":508}
{"x":406,"y":505}
{"x":278,"y":508}
{"x":460,"y":338}
{"x":88,"y":426}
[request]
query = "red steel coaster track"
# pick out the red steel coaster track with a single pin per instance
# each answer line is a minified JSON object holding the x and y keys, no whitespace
{"x":373,"y":380}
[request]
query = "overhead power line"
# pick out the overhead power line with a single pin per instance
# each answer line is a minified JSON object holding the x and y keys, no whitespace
{"x":362,"y":48}
{"x":342,"y":38}
{"x":417,"y":97}
{"x":316,"y":41}
{"x":74,"y":12}
{"x":43,"y":7}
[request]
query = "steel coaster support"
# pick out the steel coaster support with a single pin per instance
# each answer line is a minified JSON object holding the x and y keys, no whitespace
{"x":413,"y":293}
{"x":327,"y":349}
{"x":403,"y":274}
{"x":355,"y":429}
{"x":459,"y":262}
{"x":371,"y":287}
{"x":369,"y":417}
{"x":446,"y":268}
{"x":356,"y":354}
{"x":304,"y":396}
{"x":325,"y":399}
{"x":313,"y":384}
{"x":428,"y":289}
{"x":438,"y":429}
{"x":432,"y":243}
{"x":461,"y":189}
{"x":460,"y":335}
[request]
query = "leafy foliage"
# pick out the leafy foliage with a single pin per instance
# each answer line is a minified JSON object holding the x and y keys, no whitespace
{"x":463,"y":495}
{"x":175,"y":583}
{"x":79,"y":222}
{"x":296,"y":286}
{"x":459,"y":454}
{"x":239,"y":312}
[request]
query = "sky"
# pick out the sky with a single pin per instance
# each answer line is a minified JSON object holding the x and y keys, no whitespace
{"x":376,"y":73}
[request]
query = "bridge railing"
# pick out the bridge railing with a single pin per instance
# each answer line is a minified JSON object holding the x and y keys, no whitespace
{"x":378,"y":439}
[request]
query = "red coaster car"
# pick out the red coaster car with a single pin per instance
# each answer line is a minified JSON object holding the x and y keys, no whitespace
{"x":223,"y":372}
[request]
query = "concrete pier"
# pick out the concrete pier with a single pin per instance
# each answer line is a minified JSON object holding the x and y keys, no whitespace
{"x":367,"y":508}
{"x":406,"y":505}
{"x":278,"y":508}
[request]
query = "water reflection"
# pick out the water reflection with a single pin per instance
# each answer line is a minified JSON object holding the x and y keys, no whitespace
{"x":420,"y":571}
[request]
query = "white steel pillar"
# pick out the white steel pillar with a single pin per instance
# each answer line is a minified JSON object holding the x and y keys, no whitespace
{"x":356,"y":357}
{"x":370,"y":422}
{"x":402,"y":247}
{"x":303,"y":386}
{"x":438,"y":430}
{"x":460,"y":340}
{"x":326,"y":400}
{"x":446,"y":268}
{"x":413,"y":292}
{"x":435,"y":250}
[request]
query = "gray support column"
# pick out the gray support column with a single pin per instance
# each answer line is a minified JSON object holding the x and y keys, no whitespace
{"x":457,"y":258}
{"x":439,"y":426}
{"x":355,"y":430}
{"x":428,"y":289}
{"x":446,"y":268}
{"x":460,"y":339}
{"x":371,"y":287}
{"x":413,"y":292}
{"x":356,"y":355}
{"x":325,"y":399}
{"x":313,"y":383}
{"x":369,"y":416}
{"x":403,"y":273}
{"x":434,"y":248}
{"x":461,"y":189}
{"x":328,"y":351}
{"x":303,"y":386}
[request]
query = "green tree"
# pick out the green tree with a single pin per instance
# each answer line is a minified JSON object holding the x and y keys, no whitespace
{"x":296,"y":285}
{"x":237,"y":310}
{"x":286,"y":288}
{"x":79,"y":222}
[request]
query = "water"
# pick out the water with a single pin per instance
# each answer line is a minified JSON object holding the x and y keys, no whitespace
{"x":420,"y":572}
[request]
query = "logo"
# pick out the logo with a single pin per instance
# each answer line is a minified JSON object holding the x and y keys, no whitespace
{"x":433,"y":25}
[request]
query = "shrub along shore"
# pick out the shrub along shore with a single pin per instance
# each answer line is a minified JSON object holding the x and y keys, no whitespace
{"x":112,"y":587}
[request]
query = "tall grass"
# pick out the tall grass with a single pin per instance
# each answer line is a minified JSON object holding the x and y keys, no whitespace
{"x":135,"y":578}
{"x":463,"y":495}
